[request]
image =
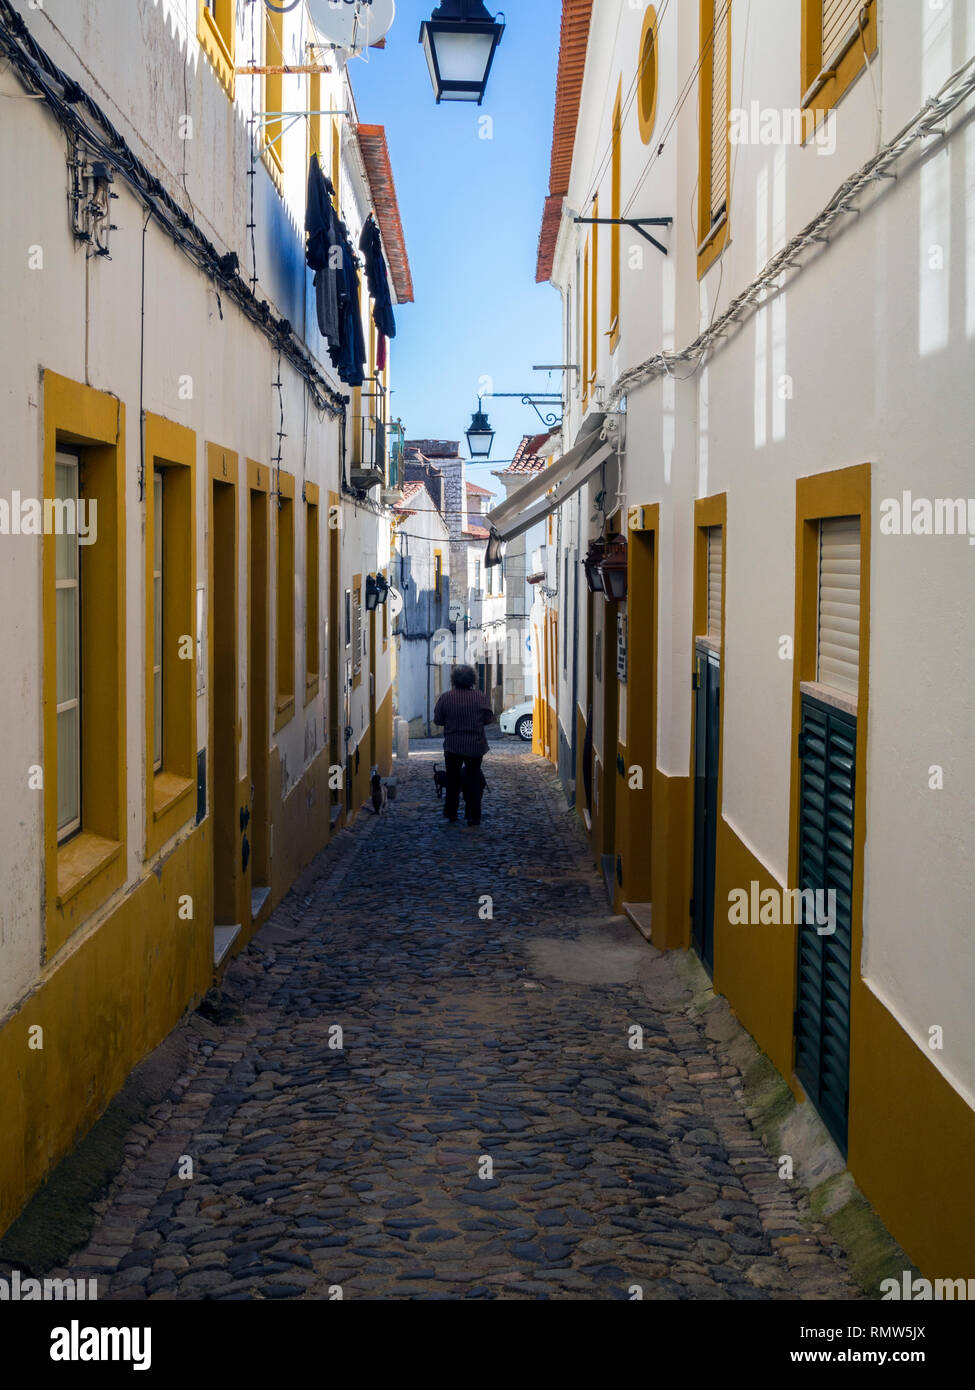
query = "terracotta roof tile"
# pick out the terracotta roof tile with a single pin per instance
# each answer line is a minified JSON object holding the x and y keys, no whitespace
{"x":375,"y":156}
{"x":573,"y":43}
{"x":478,"y":532}
{"x":481,"y":491}
{"x":527,"y":459}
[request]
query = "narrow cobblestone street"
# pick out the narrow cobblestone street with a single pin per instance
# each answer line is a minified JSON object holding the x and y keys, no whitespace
{"x":463,"y":1039}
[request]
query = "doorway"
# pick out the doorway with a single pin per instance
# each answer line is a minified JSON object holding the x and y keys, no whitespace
{"x":223,"y":713}
{"x":707,"y":697}
{"x":258,"y":697}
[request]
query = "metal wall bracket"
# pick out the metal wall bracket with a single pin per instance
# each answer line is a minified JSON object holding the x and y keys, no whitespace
{"x":637,"y":224}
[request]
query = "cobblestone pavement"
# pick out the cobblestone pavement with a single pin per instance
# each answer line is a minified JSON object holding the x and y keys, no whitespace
{"x":486,"y":1129}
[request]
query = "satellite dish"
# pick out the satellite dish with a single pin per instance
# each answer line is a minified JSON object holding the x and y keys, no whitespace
{"x":352,"y":25}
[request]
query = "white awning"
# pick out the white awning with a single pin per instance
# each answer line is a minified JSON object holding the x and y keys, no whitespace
{"x":552,"y":486}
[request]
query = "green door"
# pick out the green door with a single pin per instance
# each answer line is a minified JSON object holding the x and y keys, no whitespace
{"x":827,"y":747}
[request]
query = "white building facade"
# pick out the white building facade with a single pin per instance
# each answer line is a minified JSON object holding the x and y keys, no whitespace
{"x":778,"y":702}
{"x":195,"y":690}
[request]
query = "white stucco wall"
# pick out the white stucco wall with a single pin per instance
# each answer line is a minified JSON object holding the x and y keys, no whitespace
{"x":876,"y":336}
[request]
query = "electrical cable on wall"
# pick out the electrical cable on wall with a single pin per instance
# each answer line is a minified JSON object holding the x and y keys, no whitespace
{"x":78,"y":115}
{"x":771,"y":279}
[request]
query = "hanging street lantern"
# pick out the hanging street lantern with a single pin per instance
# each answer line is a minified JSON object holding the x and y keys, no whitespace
{"x":591,"y":565}
{"x":480,"y":435}
{"x":613,"y":569}
{"x":459,"y":41}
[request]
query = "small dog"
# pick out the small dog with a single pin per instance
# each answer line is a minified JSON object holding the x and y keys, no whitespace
{"x":380,"y":796}
{"x":440,"y":780}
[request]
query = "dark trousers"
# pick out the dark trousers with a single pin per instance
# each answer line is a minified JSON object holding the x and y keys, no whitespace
{"x":464,"y":775}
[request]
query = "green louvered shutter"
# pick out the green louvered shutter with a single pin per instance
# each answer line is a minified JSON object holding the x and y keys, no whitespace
{"x":826,"y":801}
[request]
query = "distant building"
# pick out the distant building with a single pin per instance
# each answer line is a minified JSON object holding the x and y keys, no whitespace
{"x":520,"y":666}
{"x":480,"y":629}
{"x":421,"y":545}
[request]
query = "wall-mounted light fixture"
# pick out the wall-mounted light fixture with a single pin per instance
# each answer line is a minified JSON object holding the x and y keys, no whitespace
{"x":377,"y":591}
{"x":591,"y":565}
{"x":613,"y":569}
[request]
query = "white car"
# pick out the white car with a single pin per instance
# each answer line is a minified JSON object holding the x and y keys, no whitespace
{"x":518,"y":720}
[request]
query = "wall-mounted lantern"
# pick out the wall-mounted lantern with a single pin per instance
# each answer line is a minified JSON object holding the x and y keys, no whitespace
{"x":377,"y":591}
{"x":591,"y":565}
{"x":613,"y":569}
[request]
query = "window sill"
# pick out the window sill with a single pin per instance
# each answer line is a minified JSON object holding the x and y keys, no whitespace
{"x":167,"y":790}
{"x":284,"y":712}
{"x":712,"y":246}
{"x":836,"y":699}
{"x":312,"y":687}
{"x":830,"y":85}
{"x":81,"y":860}
{"x":708,"y":644}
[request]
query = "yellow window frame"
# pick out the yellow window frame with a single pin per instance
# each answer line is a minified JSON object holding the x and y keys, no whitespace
{"x":312,"y":604}
{"x":170,"y":803}
{"x":217,"y":37}
{"x":83,"y":872}
{"x":821,"y":90}
{"x":273,"y":131}
{"x":711,"y":240}
{"x":284,"y":671}
{"x":616,"y":201}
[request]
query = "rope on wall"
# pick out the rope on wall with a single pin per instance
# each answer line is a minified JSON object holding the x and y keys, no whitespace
{"x":925,"y":123}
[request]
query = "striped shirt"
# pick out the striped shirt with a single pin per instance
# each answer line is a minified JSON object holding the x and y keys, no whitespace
{"x":462,"y":714}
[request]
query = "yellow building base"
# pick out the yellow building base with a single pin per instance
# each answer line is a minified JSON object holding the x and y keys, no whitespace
{"x":111,"y":995}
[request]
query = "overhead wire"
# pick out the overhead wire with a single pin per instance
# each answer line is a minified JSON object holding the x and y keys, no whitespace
{"x":85,"y":121}
{"x":924,"y":124}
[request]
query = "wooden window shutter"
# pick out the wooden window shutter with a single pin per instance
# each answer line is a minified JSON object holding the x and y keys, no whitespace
{"x":824,"y":959}
{"x":841,"y":23}
{"x":719,"y":110}
{"x":714,"y":581}
{"x":838,"y":663}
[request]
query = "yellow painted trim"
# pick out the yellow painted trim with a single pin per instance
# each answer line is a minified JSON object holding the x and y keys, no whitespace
{"x":217,"y":38}
{"x":634,"y":810}
{"x":337,"y":162}
{"x":708,"y":512}
{"x":315,"y":122}
{"x":223,"y":467}
{"x":647,"y":115}
{"x":313,"y":656}
{"x":823,"y":96}
{"x":284,"y":637}
{"x":258,"y":619}
{"x":356,"y":643}
{"x":335,"y":663}
{"x":110,"y":996}
{"x":594,"y":302}
{"x":616,"y":203}
{"x":711,"y":240}
{"x":170,"y":801}
{"x":81,"y":875}
{"x":273,"y":84}
{"x":841,"y":492}
{"x":584,"y":325}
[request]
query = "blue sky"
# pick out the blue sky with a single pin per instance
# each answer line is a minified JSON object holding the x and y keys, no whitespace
{"x":471,"y":212}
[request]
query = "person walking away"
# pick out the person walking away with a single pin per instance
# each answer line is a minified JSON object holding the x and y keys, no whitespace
{"x":463,"y":712}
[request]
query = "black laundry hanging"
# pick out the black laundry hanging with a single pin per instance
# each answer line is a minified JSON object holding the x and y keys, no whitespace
{"x":371,"y":246}
{"x":337,"y":289}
